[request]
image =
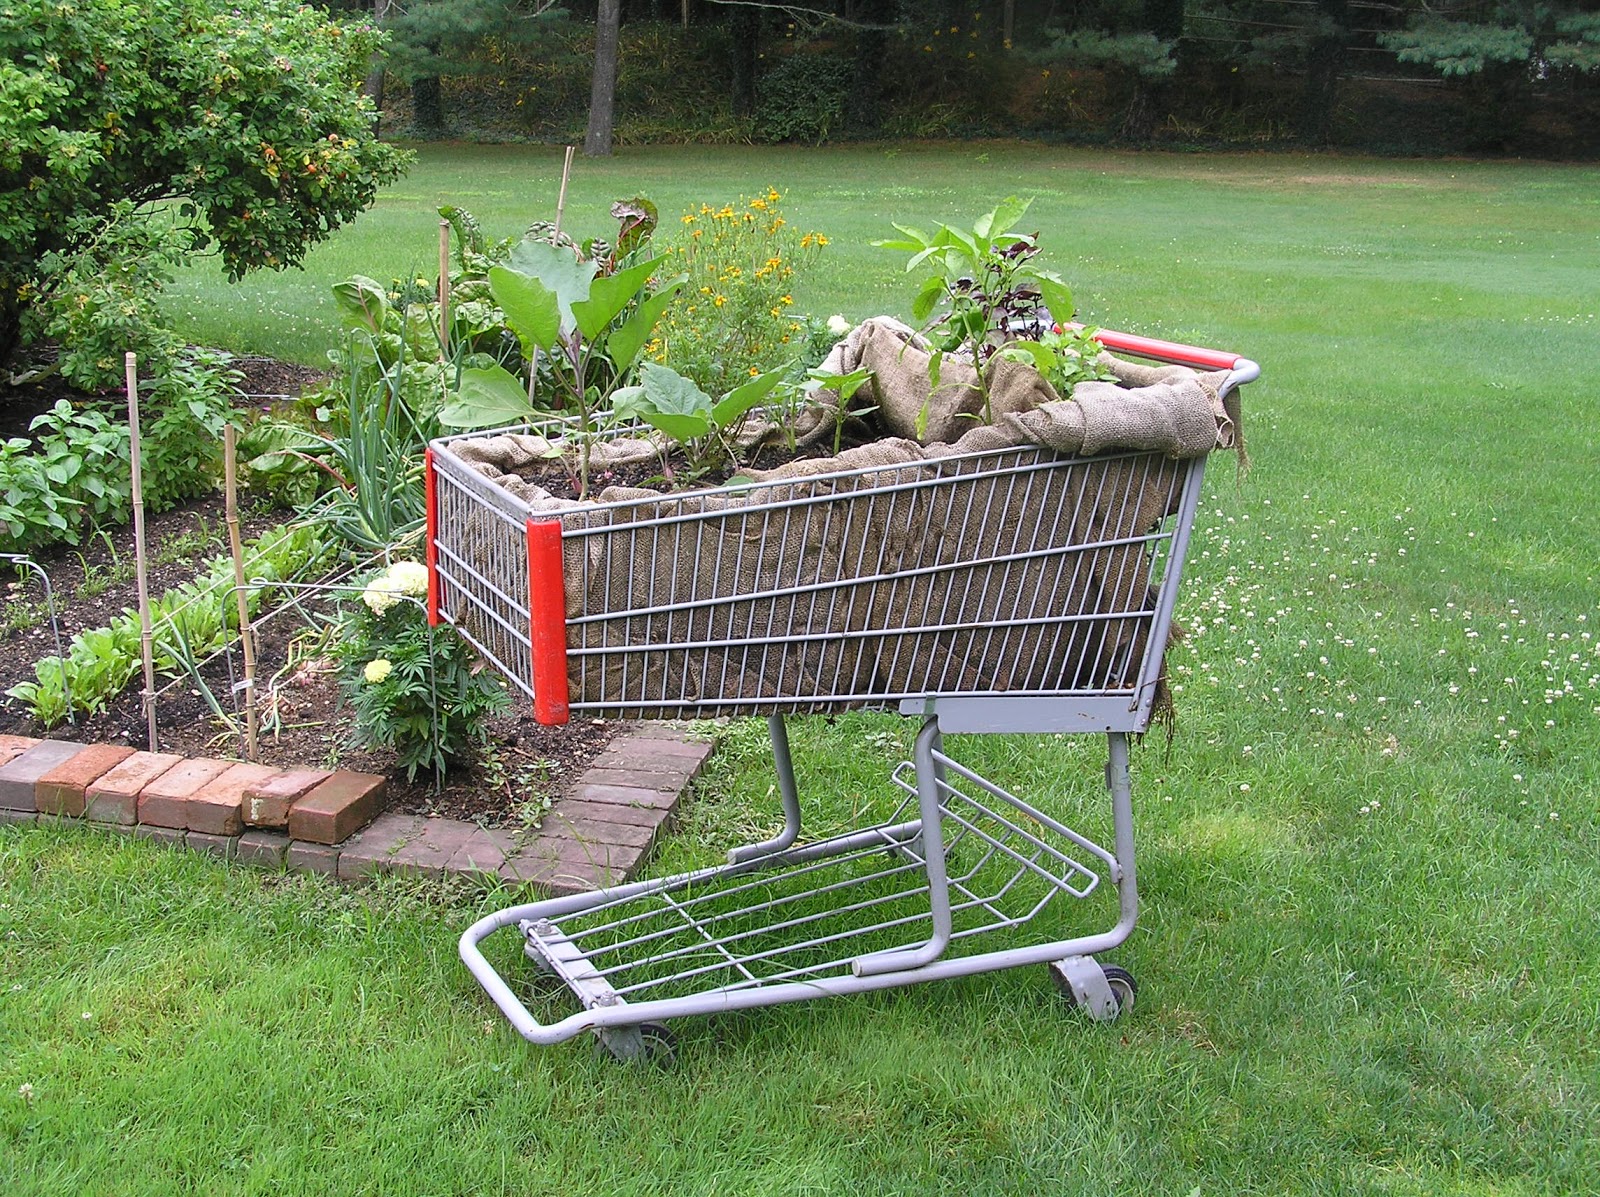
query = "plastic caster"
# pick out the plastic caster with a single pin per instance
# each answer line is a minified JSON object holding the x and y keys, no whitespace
{"x":1103,"y":992}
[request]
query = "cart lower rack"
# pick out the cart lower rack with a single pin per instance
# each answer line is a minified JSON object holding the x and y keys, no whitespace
{"x":1033,"y":593}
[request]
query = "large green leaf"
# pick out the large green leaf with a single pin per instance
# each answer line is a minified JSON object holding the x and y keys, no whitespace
{"x":532,"y":309}
{"x":1004,"y":217}
{"x":489,"y":396}
{"x":558,"y":269}
{"x":927,"y":297}
{"x":626,"y":343}
{"x":362,"y":303}
{"x":1056,"y":294}
{"x":609,"y":296}
{"x":745,"y":396}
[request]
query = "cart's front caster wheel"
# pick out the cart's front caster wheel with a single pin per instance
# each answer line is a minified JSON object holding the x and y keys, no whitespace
{"x":643,"y":1043}
{"x":1103,"y":992}
{"x":1123,"y":987}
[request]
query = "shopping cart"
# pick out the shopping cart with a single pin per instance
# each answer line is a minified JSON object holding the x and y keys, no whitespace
{"x":1035,"y":593}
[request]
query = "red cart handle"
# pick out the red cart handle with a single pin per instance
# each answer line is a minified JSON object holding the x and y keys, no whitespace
{"x":1243,"y":368}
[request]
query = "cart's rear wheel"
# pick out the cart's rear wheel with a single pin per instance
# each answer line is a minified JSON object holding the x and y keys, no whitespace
{"x":660,"y":1044}
{"x":1123,"y":987}
{"x":1103,"y":991}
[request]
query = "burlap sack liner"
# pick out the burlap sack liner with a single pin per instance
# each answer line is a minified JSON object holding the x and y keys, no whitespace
{"x":821,"y":649}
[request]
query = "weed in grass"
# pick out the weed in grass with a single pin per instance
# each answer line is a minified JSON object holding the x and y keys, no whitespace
{"x":203,"y":540}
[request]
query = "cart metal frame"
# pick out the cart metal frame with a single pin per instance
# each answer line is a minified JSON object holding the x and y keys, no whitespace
{"x":916,"y":898}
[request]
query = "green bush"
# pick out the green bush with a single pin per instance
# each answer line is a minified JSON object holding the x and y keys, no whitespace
{"x":249,"y":120}
{"x":803,"y":99}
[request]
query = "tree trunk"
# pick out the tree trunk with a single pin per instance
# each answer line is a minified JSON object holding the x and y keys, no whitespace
{"x":603,"y":89}
{"x":1324,"y":66}
{"x":373,"y":86}
{"x":427,"y":105}
{"x":863,"y":115}
{"x":744,"y":25}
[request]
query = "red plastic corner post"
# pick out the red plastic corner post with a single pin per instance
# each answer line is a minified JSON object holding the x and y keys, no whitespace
{"x":430,"y":495}
{"x":547,"y":622}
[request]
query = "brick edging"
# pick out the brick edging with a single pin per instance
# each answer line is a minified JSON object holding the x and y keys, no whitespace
{"x":598,"y":833}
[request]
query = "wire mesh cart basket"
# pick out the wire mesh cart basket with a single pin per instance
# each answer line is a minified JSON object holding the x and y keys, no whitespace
{"x":1018,"y":590}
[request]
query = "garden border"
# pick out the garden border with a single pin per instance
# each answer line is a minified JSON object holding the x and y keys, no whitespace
{"x":598,"y":833}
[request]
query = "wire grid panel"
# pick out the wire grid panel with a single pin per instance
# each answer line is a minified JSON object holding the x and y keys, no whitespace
{"x":1019,"y":572}
{"x":809,"y":913}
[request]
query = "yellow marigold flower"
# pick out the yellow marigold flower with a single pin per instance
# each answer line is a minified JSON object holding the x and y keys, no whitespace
{"x":755,"y":371}
{"x":705,"y":209}
{"x":376,"y":671}
{"x":759,"y":205}
{"x":776,"y":311}
{"x":774,"y":195}
{"x":689,"y":218}
{"x":695,"y":234}
{"x":718,"y":300}
{"x":786,"y":300}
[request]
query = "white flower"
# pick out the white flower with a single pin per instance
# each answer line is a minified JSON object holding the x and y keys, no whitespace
{"x":377,"y":670}
{"x":25,"y":1091}
{"x":838,"y":325}
{"x":410,"y":577}
{"x":401,"y":578}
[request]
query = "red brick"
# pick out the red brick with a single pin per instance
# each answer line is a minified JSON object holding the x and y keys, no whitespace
{"x":267,"y":804}
{"x":115,"y":797}
{"x":562,"y":866}
{"x":223,"y":846}
{"x":636,"y":796}
{"x":266,"y":848}
{"x":217,"y":808}
{"x":572,"y":826}
{"x":607,"y":812}
{"x":344,"y":803}
{"x":165,"y":801}
{"x":426,"y":853}
{"x":371,"y":851}
{"x":662,"y":777}
{"x":12,"y":747}
{"x":19,"y":777}
{"x":313,"y":858}
{"x":61,"y":791}
{"x":484,"y":852}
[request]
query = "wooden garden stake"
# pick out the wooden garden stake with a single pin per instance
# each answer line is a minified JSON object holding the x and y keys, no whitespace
{"x":561,"y":200}
{"x":230,"y":482}
{"x":444,"y":288}
{"x":148,"y":695}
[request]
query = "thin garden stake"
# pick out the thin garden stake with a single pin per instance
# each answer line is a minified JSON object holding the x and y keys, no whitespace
{"x":444,"y":288}
{"x":230,"y":474}
{"x":561,"y":200}
{"x":148,"y":695}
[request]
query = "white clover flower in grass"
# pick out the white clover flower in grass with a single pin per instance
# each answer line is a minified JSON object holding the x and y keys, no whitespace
{"x":375,"y":671}
{"x":838,"y":325}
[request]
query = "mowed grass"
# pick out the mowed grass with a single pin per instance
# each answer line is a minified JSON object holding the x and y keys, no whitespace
{"x":1369,"y":854}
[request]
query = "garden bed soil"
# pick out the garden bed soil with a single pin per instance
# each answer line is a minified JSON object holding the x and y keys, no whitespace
{"x":94,"y":582}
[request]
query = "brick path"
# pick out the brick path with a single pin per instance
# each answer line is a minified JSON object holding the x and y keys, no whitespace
{"x":333,"y":823}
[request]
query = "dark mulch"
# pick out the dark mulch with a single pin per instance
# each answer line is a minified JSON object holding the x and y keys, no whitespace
{"x":94,"y":582}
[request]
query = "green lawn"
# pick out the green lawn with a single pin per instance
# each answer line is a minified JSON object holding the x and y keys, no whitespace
{"x":1369,"y":856}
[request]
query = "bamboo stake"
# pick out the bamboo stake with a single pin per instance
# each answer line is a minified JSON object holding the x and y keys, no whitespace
{"x":230,"y":474}
{"x":561,"y":200}
{"x":444,"y":288}
{"x":148,"y":695}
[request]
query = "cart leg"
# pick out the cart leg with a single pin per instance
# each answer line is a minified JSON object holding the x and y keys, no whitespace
{"x":1121,"y":786}
{"x":786,"y":789}
{"x":929,"y":774}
